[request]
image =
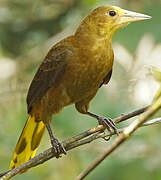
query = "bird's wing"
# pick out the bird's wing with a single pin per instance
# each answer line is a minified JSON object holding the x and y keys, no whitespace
{"x":48,"y":75}
{"x":107,"y":78}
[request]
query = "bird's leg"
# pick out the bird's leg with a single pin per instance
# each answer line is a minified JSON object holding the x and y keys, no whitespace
{"x":59,"y":148}
{"x":106,"y":122}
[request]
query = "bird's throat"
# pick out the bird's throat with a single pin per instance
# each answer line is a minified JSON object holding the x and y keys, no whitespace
{"x":93,"y":39}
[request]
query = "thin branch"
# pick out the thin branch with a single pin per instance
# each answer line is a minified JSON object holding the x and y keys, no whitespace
{"x":153,"y":121}
{"x":126,"y":133}
{"x":76,"y":141}
{"x":130,"y":115}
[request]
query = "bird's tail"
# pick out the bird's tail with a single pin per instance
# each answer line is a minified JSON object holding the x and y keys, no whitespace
{"x":28,"y":142}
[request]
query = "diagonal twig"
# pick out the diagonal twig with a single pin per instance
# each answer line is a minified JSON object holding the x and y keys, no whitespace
{"x":126,"y":133}
{"x":78,"y":140}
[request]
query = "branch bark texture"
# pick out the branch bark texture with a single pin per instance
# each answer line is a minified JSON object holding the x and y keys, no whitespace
{"x":84,"y":138}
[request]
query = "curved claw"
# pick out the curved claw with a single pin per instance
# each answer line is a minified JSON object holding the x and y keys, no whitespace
{"x":58,"y":147}
{"x":106,"y":138}
{"x":108,"y":123}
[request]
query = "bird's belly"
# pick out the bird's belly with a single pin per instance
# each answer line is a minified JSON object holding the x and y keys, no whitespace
{"x":57,"y":98}
{"x":80,"y":80}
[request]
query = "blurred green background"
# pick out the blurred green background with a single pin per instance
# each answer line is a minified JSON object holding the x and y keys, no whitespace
{"x":27,"y":30}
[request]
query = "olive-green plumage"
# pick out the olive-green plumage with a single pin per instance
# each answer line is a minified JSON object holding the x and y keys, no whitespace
{"x":71,"y":73}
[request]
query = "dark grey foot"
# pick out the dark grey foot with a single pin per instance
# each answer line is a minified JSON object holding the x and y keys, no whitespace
{"x":58,"y":147}
{"x":106,"y":122}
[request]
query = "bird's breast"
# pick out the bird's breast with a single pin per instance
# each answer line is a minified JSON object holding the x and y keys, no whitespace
{"x":86,"y":72}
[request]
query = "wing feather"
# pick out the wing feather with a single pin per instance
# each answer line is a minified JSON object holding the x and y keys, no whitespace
{"x":48,"y":75}
{"x":107,"y":78}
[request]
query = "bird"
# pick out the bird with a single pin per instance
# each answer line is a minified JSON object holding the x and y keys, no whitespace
{"x":72,"y":72}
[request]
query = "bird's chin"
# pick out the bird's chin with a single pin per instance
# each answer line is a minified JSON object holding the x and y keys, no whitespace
{"x":122,"y":25}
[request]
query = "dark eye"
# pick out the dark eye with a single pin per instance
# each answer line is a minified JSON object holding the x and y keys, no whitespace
{"x":112,"y":13}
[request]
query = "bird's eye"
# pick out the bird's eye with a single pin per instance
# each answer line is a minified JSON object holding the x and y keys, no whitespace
{"x":112,"y":13}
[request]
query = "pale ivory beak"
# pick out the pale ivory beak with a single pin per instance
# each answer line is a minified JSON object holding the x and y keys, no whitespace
{"x":129,"y":16}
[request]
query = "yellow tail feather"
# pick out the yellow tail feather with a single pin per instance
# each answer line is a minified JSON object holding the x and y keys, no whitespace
{"x":28,"y":142}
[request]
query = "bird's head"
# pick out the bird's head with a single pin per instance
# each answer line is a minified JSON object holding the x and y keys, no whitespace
{"x":109,"y":19}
